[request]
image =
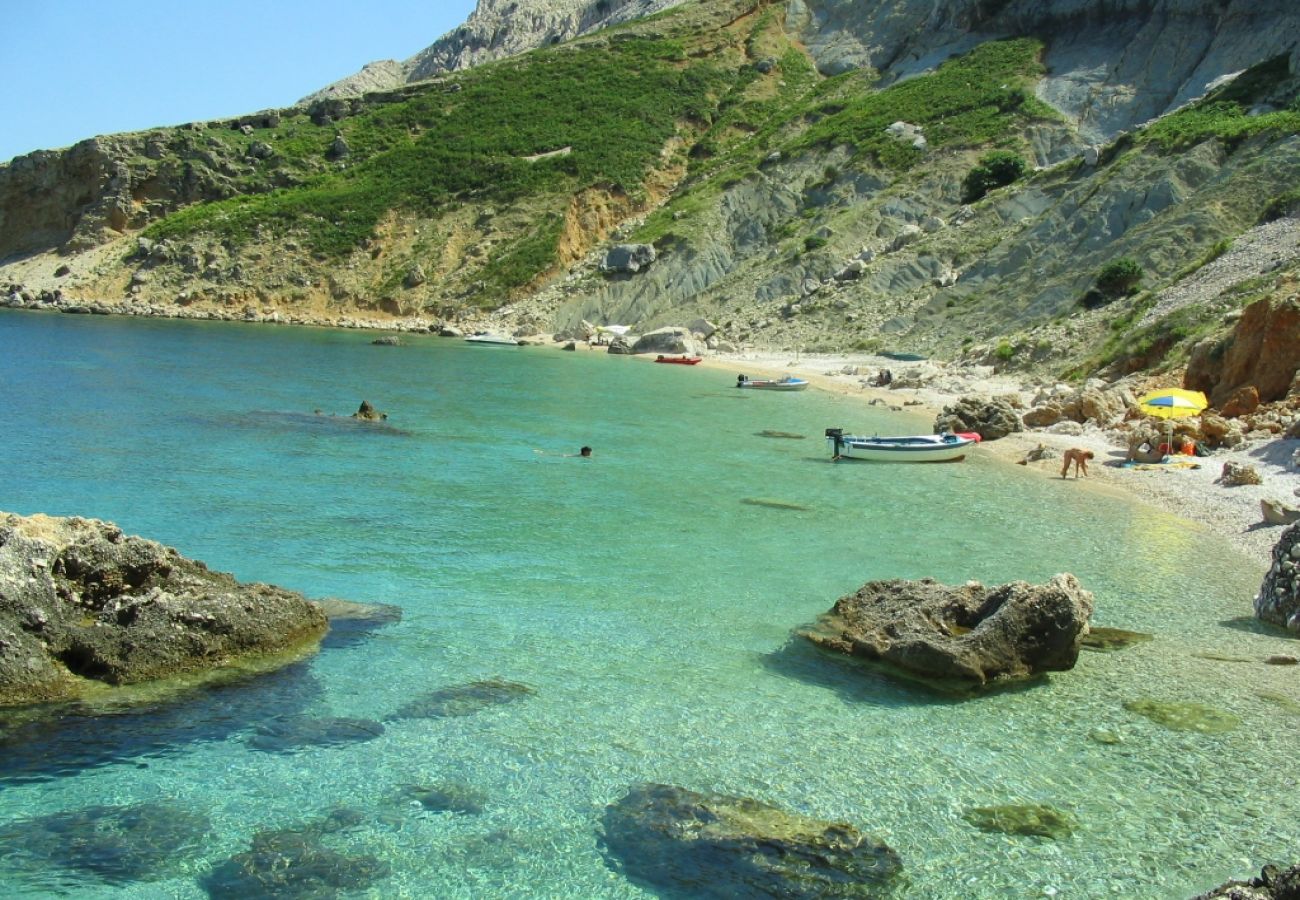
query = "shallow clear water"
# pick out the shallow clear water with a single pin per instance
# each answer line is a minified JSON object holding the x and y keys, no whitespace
{"x":646,"y":603}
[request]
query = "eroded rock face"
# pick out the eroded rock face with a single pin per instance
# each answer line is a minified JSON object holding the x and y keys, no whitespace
{"x":1263,"y":353}
{"x":1197,"y":41}
{"x":712,"y":845}
{"x":83,"y":603}
{"x":967,"y":636}
{"x":1278,"y":601}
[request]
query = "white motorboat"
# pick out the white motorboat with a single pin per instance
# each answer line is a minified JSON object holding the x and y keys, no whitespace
{"x":945,"y":447}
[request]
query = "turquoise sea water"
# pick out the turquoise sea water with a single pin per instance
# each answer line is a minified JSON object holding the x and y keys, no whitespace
{"x":646,"y":603}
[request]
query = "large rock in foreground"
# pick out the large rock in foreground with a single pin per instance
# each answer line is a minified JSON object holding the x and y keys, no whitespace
{"x":1278,"y":602}
{"x":712,"y":845}
{"x":83,"y":604}
{"x":960,"y":636}
{"x":991,"y":417}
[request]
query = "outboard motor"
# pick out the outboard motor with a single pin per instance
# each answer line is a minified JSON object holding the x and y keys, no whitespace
{"x":836,"y":437}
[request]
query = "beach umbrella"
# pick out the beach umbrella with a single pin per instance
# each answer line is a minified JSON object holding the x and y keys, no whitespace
{"x":1172,"y":403}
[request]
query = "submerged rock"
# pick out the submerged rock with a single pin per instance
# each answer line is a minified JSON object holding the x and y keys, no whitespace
{"x":111,"y":844}
{"x":712,"y":845}
{"x":464,"y":699}
{"x":1025,"y":819}
{"x":965,"y":636}
{"x":83,"y":604}
{"x":294,"y":862}
{"x":291,"y":733}
{"x":787,"y":435}
{"x":1104,"y":639}
{"x":451,"y":796}
{"x":1184,"y":716}
{"x":774,"y":504}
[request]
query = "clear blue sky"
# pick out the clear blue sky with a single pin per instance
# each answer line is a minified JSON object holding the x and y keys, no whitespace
{"x":72,"y":69}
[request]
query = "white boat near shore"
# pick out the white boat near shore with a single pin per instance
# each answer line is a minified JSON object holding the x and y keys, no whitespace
{"x":945,"y":447}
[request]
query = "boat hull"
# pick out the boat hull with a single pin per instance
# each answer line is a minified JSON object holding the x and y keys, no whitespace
{"x":918,"y":448}
{"x":491,"y":339}
{"x":679,"y":360}
{"x":796,"y":385}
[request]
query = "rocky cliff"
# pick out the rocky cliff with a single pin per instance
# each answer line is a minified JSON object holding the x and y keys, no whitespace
{"x":496,"y":29}
{"x":1109,"y":65}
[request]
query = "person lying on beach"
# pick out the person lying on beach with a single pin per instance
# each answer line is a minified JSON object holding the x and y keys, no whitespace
{"x":1080,"y":458}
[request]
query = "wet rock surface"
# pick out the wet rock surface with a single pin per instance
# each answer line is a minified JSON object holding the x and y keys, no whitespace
{"x":1278,"y":601}
{"x":683,"y":843}
{"x":960,"y":637}
{"x":1273,"y":883}
{"x":83,"y":604}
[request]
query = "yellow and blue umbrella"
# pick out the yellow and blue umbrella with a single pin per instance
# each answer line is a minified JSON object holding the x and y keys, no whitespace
{"x":1173,"y":403}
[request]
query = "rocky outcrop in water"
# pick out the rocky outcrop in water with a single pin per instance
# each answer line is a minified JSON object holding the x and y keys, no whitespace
{"x":1273,"y":883}
{"x":1278,"y":601}
{"x":967,"y":636}
{"x":711,"y":845}
{"x":82,"y":604}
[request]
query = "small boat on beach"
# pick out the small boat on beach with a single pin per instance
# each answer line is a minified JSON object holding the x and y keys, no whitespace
{"x":945,"y":447}
{"x":679,"y":360}
{"x":788,"y":383}
{"x":486,"y":337}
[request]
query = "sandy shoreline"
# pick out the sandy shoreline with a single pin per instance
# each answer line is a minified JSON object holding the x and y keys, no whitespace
{"x":1189,"y":493}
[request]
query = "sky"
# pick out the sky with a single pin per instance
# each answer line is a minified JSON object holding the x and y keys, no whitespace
{"x":73,"y":69}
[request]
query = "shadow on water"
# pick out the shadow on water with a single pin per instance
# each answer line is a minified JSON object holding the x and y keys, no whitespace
{"x":860,"y":681}
{"x":1251,"y":625}
{"x":53,"y":742}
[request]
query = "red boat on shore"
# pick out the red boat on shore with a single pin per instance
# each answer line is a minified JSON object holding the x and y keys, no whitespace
{"x":679,"y":360}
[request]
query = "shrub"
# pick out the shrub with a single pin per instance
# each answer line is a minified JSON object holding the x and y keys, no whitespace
{"x":1005,"y":351}
{"x":1119,"y":277}
{"x":814,"y":242}
{"x":996,"y":169}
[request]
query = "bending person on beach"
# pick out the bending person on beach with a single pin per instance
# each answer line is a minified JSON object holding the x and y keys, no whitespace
{"x":1079,"y":457}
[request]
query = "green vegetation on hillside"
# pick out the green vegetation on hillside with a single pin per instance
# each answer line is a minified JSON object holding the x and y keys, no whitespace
{"x":611,"y":108}
{"x":980,"y":99}
{"x":1229,"y":113}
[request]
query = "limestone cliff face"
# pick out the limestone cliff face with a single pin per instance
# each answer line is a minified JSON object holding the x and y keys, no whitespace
{"x":496,"y":29}
{"x":1110,"y":65}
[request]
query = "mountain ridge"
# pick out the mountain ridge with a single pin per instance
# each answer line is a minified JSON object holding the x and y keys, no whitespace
{"x":790,"y":206}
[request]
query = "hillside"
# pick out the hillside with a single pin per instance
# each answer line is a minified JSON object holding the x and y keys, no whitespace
{"x":946,"y":179}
